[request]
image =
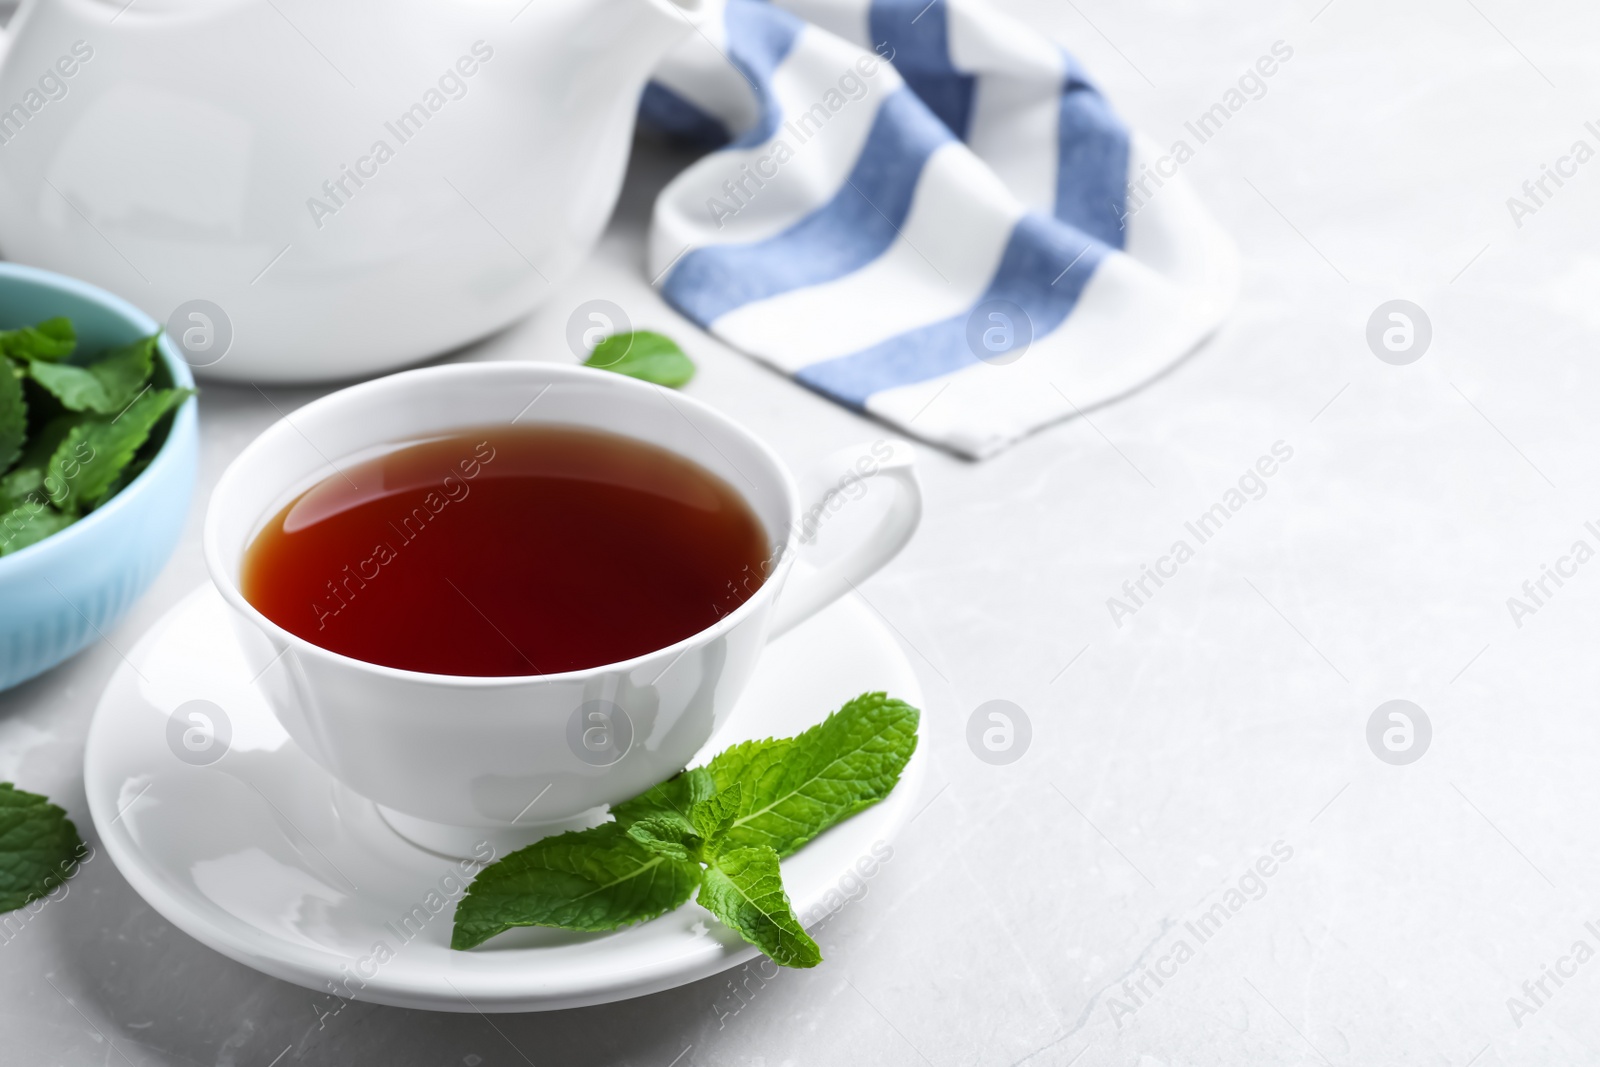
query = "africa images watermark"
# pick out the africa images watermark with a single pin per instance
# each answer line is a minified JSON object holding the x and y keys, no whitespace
{"x":1537,"y":591}
{"x":1249,"y":887}
{"x":850,"y":87}
{"x":51,"y":489}
{"x":1536,"y":992}
{"x":1136,"y":592}
{"x":851,"y":485}
{"x":13,"y":922}
{"x":452,"y":489}
{"x":52,"y":87}
{"x":406,"y":927}
{"x":451,"y":85}
{"x":848,"y":487}
{"x":1537,"y":192}
{"x":851,"y":887}
{"x":1251,"y":86}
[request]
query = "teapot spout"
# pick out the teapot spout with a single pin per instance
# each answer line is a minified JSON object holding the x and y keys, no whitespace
{"x":646,"y":30}
{"x":574,"y":56}
{"x":567,"y":98}
{"x":683,"y":15}
{"x":622,"y":40}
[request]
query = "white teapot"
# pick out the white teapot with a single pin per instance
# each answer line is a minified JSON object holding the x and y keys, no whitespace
{"x":339,"y":187}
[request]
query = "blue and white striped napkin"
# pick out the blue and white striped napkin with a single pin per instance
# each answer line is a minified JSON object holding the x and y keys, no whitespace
{"x":924,"y":211}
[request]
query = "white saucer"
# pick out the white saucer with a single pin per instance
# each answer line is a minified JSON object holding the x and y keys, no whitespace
{"x":265,"y":858}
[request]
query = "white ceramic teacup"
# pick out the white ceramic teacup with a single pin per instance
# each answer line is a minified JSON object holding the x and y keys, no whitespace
{"x":452,"y":761}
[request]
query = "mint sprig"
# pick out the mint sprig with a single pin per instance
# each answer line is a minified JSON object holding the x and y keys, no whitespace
{"x":644,"y":354}
{"x":39,"y":847}
{"x":719,"y":829}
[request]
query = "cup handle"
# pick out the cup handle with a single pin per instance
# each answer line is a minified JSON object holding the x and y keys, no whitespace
{"x":808,"y":592}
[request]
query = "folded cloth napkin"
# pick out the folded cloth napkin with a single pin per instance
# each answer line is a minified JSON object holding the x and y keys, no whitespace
{"x":926,"y":212}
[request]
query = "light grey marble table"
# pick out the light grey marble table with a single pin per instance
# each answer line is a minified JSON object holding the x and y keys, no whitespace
{"x":1225,"y":719}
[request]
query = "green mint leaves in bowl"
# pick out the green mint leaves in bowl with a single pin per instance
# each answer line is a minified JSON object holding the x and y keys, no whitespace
{"x":719,"y":829}
{"x":73,"y":426}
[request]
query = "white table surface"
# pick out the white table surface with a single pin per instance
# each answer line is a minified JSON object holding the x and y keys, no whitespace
{"x":1228,"y":714}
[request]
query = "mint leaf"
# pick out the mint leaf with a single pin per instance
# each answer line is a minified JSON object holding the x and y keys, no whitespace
{"x":124,"y":371}
{"x":666,"y":835}
{"x":796,"y":788}
{"x":129,"y":473}
{"x":744,"y":889}
{"x":643,"y":354}
{"x":596,"y":879}
{"x":50,"y":340}
{"x":28,"y":524}
{"x":13,"y":415}
{"x":75,"y":387}
{"x":105,"y":386}
{"x":675,"y":796}
{"x":26,"y":481}
{"x":19,"y":486}
{"x":712,"y":818}
{"x":86,"y":463}
{"x":695,"y":837}
{"x":39,"y":847}
{"x":42,"y":444}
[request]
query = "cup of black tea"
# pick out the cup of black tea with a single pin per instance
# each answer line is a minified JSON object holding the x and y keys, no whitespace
{"x":493,"y":597}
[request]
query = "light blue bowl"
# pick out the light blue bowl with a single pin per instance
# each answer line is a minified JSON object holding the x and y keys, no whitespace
{"x":64,"y":592}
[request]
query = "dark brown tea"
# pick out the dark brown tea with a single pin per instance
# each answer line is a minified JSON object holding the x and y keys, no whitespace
{"x":508,"y":550}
